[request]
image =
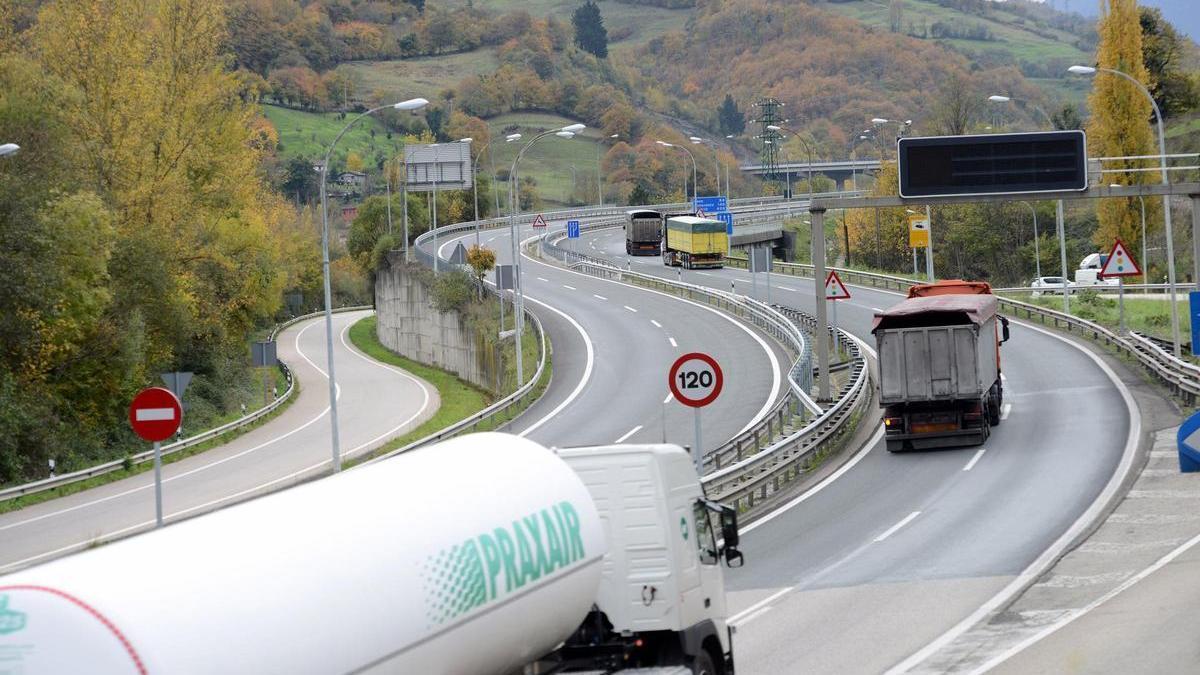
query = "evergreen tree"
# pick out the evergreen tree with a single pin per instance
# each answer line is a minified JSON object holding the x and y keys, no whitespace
{"x":1175,"y":91}
{"x":639,"y":196}
{"x":1120,"y":125}
{"x":1067,"y":117}
{"x":729,"y":118}
{"x":590,"y":34}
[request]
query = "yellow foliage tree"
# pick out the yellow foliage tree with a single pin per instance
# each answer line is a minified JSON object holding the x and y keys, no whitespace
{"x":1118,"y":126}
{"x":354,"y":162}
{"x":885,"y":247}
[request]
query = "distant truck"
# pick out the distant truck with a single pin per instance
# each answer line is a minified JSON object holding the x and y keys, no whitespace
{"x":484,"y":554}
{"x":1088,"y":273}
{"x":643,"y":232}
{"x":694,"y":242}
{"x":939,"y":366}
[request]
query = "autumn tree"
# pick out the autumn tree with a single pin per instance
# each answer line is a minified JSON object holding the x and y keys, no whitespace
{"x":956,"y":108}
{"x":1119,"y":125}
{"x":482,"y":260}
{"x":590,"y":33}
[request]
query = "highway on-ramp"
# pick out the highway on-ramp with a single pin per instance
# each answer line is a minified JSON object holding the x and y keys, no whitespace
{"x":376,"y":402}
{"x":893,"y":550}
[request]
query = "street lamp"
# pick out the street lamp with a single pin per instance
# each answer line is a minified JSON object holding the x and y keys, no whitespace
{"x":1145,"y":262}
{"x":413,"y":105}
{"x":695,"y":194}
{"x":475,"y":178}
{"x":600,"y":173}
{"x":514,"y":208}
{"x":9,"y":149}
{"x":1162,"y":152}
{"x":696,"y":140}
{"x":807,"y":148}
{"x":1037,"y":255}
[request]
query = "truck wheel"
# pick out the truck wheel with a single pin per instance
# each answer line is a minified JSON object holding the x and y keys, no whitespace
{"x":703,"y":664}
{"x":993,"y":412}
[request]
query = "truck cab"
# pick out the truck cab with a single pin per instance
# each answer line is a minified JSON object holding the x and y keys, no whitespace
{"x":661,"y":600}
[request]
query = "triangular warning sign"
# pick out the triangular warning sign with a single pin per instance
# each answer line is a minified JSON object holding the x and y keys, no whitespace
{"x":539,"y":221}
{"x":834,"y":288}
{"x":1120,"y":263}
{"x":700,"y":213}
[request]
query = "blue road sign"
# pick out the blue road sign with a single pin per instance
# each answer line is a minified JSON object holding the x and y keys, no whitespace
{"x":727,"y":218}
{"x":572,"y":229}
{"x":1189,"y":454}
{"x":1194,"y":303}
{"x":711,"y":205}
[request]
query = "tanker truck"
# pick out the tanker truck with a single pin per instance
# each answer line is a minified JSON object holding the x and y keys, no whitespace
{"x":483,"y":554}
{"x":939,"y":366}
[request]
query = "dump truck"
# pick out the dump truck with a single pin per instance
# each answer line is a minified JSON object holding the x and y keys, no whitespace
{"x":939,"y":366}
{"x":643,"y":232}
{"x":694,"y":242}
{"x":487,"y":553}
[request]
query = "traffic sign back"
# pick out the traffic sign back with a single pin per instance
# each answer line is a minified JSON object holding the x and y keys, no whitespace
{"x":834,"y":288}
{"x":695,"y":379}
{"x":155,"y":414}
{"x":1120,"y":263}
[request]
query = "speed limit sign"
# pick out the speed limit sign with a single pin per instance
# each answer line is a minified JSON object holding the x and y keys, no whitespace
{"x":695,"y":379}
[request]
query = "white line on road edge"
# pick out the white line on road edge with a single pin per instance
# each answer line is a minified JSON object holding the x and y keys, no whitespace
{"x":787,"y":288}
{"x":1075,"y":614}
{"x":543,"y":279}
{"x":630,"y":309}
{"x":673,"y":343}
{"x":599,"y":297}
{"x":668,"y":400}
{"x":971,"y":464}
{"x":569,"y":288}
{"x":1005,"y":410}
{"x":587,"y":368}
{"x":751,"y":617}
{"x":704,"y":274}
{"x":656,"y":324}
{"x":629,"y":433}
{"x":736,"y":618}
{"x":1052,"y":553}
{"x":893,"y":529}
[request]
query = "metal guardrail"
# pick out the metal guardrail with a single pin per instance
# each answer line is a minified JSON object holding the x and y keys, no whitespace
{"x":1181,"y":377}
{"x":749,"y":469}
{"x":191,"y":441}
{"x":1157,"y":289}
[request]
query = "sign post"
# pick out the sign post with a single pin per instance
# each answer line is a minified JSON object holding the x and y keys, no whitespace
{"x":696,"y":380}
{"x":573,"y":232}
{"x":1120,"y":265}
{"x":155,"y":414}
{"x":918,"y":237}
{"x":835,"y":290}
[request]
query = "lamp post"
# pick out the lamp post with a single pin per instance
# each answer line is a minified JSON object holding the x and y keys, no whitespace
{"x":9,"y":149}
{"x":475,"y":178}
{"x":514,"y":208}
{"x":1162,"y":152}
{"x":696,"y":140}
{"x":1145,"y":262}
{"x":600,"y":173}
{"x":807,"y":148}
{"x":411,"y":105}
{"x":1037,"y":255}
{"x":689,"y":154}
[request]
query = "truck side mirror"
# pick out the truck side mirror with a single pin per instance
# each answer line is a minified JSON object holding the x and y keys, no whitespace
{"x":729,"y":527}
{"x":733,"y":557}
{"x":1004,"y":335}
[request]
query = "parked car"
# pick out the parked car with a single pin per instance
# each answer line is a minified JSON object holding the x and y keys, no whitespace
{"x":1049,"y":284}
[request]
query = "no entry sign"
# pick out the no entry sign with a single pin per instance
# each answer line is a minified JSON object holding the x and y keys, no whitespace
{"x":695,"y":379}
{"x":155,"y":414}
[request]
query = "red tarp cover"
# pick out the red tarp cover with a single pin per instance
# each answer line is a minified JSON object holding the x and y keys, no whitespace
{"x":977,"y":308}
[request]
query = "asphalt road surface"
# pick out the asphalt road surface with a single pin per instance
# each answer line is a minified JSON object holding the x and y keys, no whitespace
{"x":376,"y":402}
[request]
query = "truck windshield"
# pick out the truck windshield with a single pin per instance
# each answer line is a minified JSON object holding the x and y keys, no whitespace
{"x":706,"y":544}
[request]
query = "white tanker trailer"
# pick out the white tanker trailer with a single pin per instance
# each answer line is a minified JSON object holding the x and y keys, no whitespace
{"x":483,"y":554}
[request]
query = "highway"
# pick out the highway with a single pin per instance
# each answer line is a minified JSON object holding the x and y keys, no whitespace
{"x":896,"y":549}
{"x":376,"y":402}
{"x":613,"y":344}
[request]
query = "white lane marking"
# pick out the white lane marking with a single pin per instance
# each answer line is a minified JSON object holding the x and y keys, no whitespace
{"x":149,"y":486}
{"x":1005,"y":410}
{"x":426,"y":395}
{"x":629,"y":433}
{"x":569,"y":288}
{"x":733,"y":620}
{"x":543,"y":279}
{"x":828,"y":480}
{"x":974,"y":460}
{"x":893,"y":529}
{"x":630,"y":309}
{"x":656,"y":324}
{"x":154,"y":414}
{"x":1075,"y":614}
{"x":672,"y":341}
{"x":668,"y":400}
{"x":755,"y":615}
{"x":876,"y":309}
{"x":587,"y":368}
{"x":599,"y":297}
{"x":704,"y":274}
{"x":1051,"y":554}
{"x":787,"y":288}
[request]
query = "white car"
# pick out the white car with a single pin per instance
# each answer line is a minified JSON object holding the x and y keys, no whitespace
{"x":1050,"y":284}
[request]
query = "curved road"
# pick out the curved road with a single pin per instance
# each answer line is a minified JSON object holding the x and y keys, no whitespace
{"x":895,"y":549}
{"x":376,"y":403}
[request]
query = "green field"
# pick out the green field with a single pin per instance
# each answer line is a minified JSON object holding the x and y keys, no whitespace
{"x":1148,"y":316}
{"x":426,"y":77}
{"x":550,"y":161}
{"x":308,"y":134}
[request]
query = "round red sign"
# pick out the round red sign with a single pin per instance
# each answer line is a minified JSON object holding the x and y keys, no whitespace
{"x":695,"y":379}
{"x":155,"y":414}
